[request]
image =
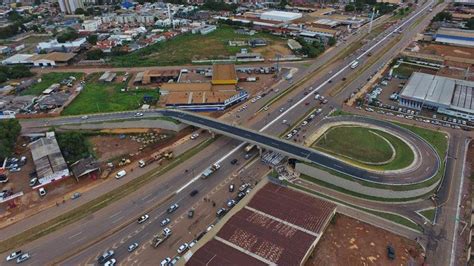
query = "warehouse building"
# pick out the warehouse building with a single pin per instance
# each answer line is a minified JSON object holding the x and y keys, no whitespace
{"x":49,"y":162}
{"x":455,"y":37}
{"x":280,"y":16}
{"x":445,"y":95}
{"x":39,"y":60}
{"x":279,"y":226}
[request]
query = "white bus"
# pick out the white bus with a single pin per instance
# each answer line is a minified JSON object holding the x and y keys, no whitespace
{"x":355,"y":64}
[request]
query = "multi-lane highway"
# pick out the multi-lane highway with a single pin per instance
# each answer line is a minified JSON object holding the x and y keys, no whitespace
{"x":85,"y":232}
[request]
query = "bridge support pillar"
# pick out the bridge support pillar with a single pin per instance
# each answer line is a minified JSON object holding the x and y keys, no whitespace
{"x":213,"y":135}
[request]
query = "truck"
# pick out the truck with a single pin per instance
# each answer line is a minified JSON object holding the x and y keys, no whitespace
{"x":159,"y":238}
{"x":155,"y":157}
{"x":210,"y":170}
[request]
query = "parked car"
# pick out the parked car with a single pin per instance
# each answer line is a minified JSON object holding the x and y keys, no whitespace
{"x":132,"y":247}
{"x":221,"y":212}
{"x":165,"y":221}
{"x":14,"y":255}
{"x":183,"y":248}
{"x":231,"y":187}
{"x":191,"y":213}
{"x":231,"y":203}
{"x":173,"y":208}
{"x":3,"y":178}
{"x":390,"y":252}
{"x":42,"y":191}
{"x":165,"y":261}
{"x":22,"y":257}
{"x":33,"y":182}
{"x":234,"y":161}
{"x":143,"y":218}
{"x":120,"y":174}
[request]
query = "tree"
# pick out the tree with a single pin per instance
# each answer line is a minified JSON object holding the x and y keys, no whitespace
{"x":80,"y":11}
{"x":470,"y":24}
{"x":331,"y":41}
{"x":443,"y":16}
{"x":9,"y":132}
{"x":349,"y":8}
{"x":283,"y":4}
{"x":92,"y":39}
{"x":73,"y":145}
{"x":68,"y":35}
{"x":94,"y":54}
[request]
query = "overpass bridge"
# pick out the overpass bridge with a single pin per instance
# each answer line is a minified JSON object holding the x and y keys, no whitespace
{"x":263,"y":140}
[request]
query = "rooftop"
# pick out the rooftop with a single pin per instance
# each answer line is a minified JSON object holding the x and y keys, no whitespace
{"x":223,"y":72}
{"x":47,"y":157}
{"x":54,"y":56}
{"x":278,"y":226}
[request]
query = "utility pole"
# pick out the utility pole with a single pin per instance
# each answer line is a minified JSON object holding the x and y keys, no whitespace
{"x":371,"y":19}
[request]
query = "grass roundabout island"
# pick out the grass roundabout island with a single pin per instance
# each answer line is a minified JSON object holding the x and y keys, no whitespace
{"x":366,"y":147}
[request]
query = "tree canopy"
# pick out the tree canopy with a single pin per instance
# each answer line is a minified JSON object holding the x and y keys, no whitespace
{"x":470,"y":24}
{"x":69,"y":34}
{"x":73,"y":146}
{"x":9,"y":132}
{"x":94,"y":54}
{"x":14,"y":72}
{"x":442,"y":16}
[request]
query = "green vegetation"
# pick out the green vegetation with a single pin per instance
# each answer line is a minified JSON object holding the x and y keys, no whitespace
{"x":313,"y":49}
{"x":74,"y":146}
{"x":385,"y":215}
{"x":92,"y":39}
{"x":48,"y":80}
{"x":94,"y":54}
{"x":183,"y":49}
{"x":98,"y":203}
{"x":218,"y":6}
{"x":9,"y":132}
{"x":366,"y":147}
{"x":69,"y":34}
{"x":438,"y":139}
{"x":405,"y":70}
{"x":107,"y":97}
{"x":470,"y":24}
{"x":14,"y":72}
{"x":339,"y":112}
{"x":443,"y":16}
{"x":429,"y":214}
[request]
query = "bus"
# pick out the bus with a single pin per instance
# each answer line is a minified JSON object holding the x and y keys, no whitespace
{"x":354,"y":64}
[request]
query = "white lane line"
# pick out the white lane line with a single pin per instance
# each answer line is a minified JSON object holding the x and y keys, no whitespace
{"x":73,"y":236}
{"x":304,"y":98}
{"x":118,"y":219}
{"x":115,"y":214}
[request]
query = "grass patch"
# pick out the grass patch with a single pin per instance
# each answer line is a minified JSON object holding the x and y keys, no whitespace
{"x":47,"y":80}
{"x":429,"y":214}
{"x":96,"y":204}
{"x":437,"y":139}
{"x":388,"y":216}
{"x":339,"y":112}
{"x":183,"y":49}
{"x":405,"y":70}
{"x":359,"y":145}
{"x":101,"y":97}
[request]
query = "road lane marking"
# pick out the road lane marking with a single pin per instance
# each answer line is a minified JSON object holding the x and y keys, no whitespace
{"x":115,"y":214}
{"x":73,"y":236}
{"x":118,"y":219}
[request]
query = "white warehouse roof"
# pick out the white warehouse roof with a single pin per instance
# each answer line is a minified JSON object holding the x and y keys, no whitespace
{"x":280,"y":16}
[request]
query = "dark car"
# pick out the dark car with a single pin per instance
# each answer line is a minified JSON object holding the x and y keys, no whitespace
{"x":106,"y":256}
{"x":194,"y":193}
{"x":233,"y":161}
{"x":390,"y":252}
{"x":190,"y":213}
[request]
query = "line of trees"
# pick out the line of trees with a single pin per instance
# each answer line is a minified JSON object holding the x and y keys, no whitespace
{"x":14,"y":72}
{"x":9,"y":132}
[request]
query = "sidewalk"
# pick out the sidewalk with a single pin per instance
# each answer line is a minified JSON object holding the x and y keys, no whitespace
{"x":50,"y":210}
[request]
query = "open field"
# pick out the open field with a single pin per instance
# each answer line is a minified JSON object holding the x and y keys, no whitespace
{"x":106,"y":97}
{"x":48,"y":80}
{"x":183,"y":49}
{"x":351,"y":242}
{"x":366,"y":147}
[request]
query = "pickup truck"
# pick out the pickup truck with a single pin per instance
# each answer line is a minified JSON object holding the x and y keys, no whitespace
{"x":210,"y":170}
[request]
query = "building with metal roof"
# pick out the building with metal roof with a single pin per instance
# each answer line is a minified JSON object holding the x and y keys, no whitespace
{"x":455,"y":37}
{"x":279,"y":226}
{"x":283,"y":16}
{"x":439,"y":93}
{"x":49,"y":162}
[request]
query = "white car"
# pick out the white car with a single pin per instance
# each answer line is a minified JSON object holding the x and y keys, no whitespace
{"x":165,"y":262}
{"x":143,"y":218}
{"x":138,"y":114}
{"x":132,"y":247}
{"x":84,"y":117}
{"x":183,"y":248}
{"x":120,"y":174}
{"x":167,"y":231}
{"x":194,"y":136}
{"x":110,"y":262}
{"x":14,"y":255}
{"x":42,"y":191}
{"x":22,"y":258}
{"x":165,"y":221}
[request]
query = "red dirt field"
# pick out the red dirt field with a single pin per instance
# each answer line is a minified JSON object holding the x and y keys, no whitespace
{"x":347,"y":241}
